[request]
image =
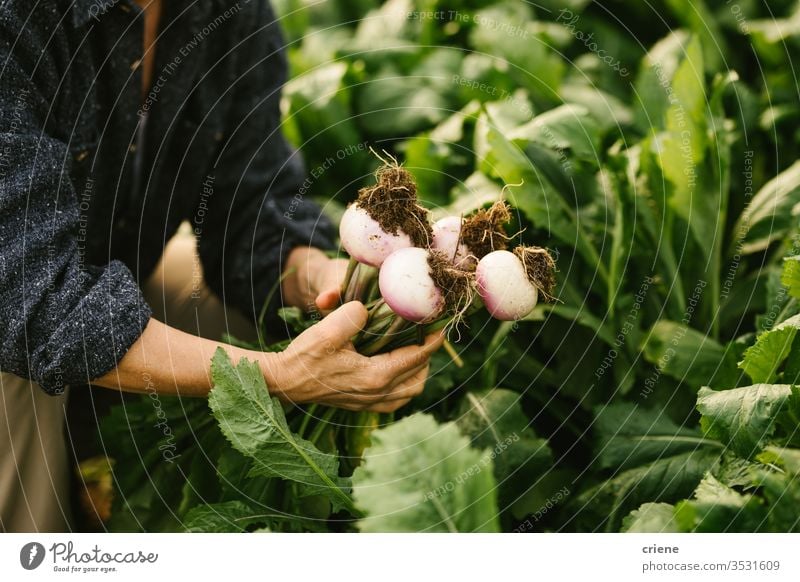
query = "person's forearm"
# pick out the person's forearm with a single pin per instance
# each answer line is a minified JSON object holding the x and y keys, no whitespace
{"x":169,"y":361}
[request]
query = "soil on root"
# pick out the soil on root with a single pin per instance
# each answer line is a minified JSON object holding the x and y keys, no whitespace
{"x":392,"y":203}
{"x":540,"y":267}
{"x":455,"y":283}
{"x":483,"y":232}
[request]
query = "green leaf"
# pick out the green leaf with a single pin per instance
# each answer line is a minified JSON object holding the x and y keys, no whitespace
{"x":392,"y":103}
{"x":667,"y":480}
{"x":742,"y":418}
{"x":651,"y":518}
{"x":140,"y":436}
{"x":507,"y":31}
{"x":719,"y":508}
{"x":690,"y":356}
{"x":385,"y":30}
{"x":296,"y":319}
{"x":419,"y":476}
{"x":682,"y":148}
{"x":494,"y":420}
{"x":608,"y":111}
{"x":768,"y":217}
{"x":501,"y":116}
{"x":437,"y":157}
{"x":657,"y":68}
{"x":788,"y":459}
{"x":781,"y":489}
{"x":696,"y":15}
{"x":762,"y":360}
{"x":629,"y":436}
{"x":475,"y":192}
{"x":568,"y":127}
{"x":791,"y":275}
{"x":256,"y":426}
{"x":230,"y":516}
{"x":771,"y":36}
{"x":318,"y":106}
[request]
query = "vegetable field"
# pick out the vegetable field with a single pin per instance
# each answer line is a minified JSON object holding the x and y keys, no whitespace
{"x":650,"y":149}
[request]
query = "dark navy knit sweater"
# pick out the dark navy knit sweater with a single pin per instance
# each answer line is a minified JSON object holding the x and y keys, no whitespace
{"x":94,"y":179}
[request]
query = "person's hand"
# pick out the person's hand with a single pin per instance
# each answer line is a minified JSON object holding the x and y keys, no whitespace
{"x":315,"y":281}
{"x":322,"y":366}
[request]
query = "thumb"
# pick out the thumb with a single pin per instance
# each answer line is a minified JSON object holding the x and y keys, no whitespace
{"x":342,"y":324}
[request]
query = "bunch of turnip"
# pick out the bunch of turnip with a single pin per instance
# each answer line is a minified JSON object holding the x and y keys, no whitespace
{"x":416,"y":277}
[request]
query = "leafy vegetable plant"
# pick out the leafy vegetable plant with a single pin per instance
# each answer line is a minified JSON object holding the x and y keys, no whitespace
{"x":657,"y":391}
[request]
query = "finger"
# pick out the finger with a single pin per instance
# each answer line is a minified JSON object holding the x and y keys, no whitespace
{"x":341,"y":325}
{"x":407,"y":358}
{"x":328,"y":299}
{"x":410,"y":388}
{"x":409,"y":374}
{"x":330,"y":287}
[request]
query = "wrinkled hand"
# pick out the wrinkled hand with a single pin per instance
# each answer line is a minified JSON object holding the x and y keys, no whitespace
{"x":321,"y":365}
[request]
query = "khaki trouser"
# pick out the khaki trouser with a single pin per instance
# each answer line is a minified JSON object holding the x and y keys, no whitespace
{"x":34,"y":462}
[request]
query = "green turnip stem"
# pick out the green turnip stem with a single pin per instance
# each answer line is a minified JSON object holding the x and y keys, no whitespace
{"x":360,"y":281}
{"x":373,"y":291}
{"x":378,"y":313}
{"x":391,"y":332}
{"x":307,"y":418}
{"x":349,"y":293}
{"x":351,"y":267}
{"x":324,"y":421}
{"x":408,"y":336}
{"x":372,"y":332}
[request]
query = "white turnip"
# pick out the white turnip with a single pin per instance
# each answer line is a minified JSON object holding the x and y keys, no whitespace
{"x":447,"y":239}
{"x":510,"y":282}
{"x":385,"y":217}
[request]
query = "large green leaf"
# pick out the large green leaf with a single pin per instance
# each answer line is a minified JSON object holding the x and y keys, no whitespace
{"x":422,"y":476}
{"x":501,"y":117}
{"x":608,"y":111}
{"x":762,"y":360}
{"x":151,"y":494}
{"x":667,"y":480}
{"x":629,"y":436}
{"x":651,"y":518}
{"x":682,"y":149}
{"x":657,"y":69}
{"x":493,"y":419}
{"x":715,"y":507}
{"x":256,"y":426}
{"x":690,"y":356}
{"x":568,"y":127}
{"x":230,"y":516}
{"x":477,"y":191}
{"x":768,"y":217}
{"x":695,"y":15}
{"x":437,"y":157}
{"x":392,"y":103}
{"x":506,"y":30}
{"x":318,"y":103}
{"x":791,"y":276}
{"x":743,"y":418}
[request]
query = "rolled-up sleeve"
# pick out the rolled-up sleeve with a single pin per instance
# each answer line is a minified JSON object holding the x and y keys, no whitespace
{"x":258,"y":212}
{"x":62,"y":321}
